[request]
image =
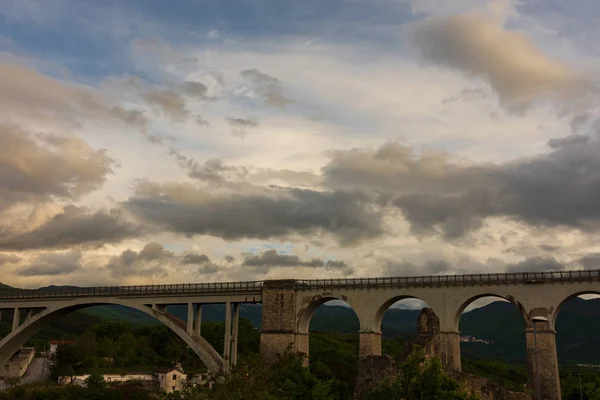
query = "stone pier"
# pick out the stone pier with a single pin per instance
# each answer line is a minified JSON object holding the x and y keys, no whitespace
{"x":547,"y":361}
{"x":278,"y":331}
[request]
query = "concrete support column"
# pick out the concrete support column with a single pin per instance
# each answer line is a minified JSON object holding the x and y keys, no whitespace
{"x":196,"y":329}
{"x":227,"y":341}
{"x":190,"y":319}
{"x":234,"y":334}
{"x":29,"y":314}
{"x":449,"y":350}
{"x":543,"y":339}
{"x":369,"y":344}
{"x":279,"y":321}
{"x":16,"y":319}
{"x":0,"y":315}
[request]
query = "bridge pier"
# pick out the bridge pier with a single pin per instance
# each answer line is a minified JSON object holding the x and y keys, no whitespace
{"x":449,"y":350}
{"x":279,"y":326}
{"x":369,"y":344}
{"x":544,"y":339}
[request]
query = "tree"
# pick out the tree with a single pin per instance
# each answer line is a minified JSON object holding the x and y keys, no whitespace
{"x":420,"y":378}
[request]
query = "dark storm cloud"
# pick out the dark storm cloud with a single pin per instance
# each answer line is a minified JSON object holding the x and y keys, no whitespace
{"x":240,"y":126}
{"x":265,"y":214}
{"x":196,"y":89}
{"x":437,"y":193}
{"x":567,"y":141}
{"x":590,"y":261}
{"x":269,"y":88}
{"x":74,"y":226}
{"x":271,"y":258}
{"x":193,"y":258}
{"x":53,"y":264}
{"x":405,"y":268}
{"x":535,"y":264}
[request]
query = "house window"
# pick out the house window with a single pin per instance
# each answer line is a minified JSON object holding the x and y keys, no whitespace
{"x":174,"y":377}
{"x":173,"y":388}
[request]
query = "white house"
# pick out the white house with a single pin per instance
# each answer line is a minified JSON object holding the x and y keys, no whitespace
{"x":172,"y":379}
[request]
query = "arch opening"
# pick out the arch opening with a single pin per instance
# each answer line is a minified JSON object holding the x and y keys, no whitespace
{"x":329,"y":327}
{"x":492,"y":340}
{"x":12,"y":342}
{"x":575,"y":321}
{"x":398,"y":322}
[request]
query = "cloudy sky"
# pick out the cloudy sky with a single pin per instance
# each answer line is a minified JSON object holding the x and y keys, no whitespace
{"x":191,"y":141}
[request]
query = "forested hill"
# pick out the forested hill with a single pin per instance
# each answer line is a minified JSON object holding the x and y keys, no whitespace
{"x":496,"y":329}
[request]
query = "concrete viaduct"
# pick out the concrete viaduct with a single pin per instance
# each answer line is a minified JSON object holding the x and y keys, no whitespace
{"x":288,"y":306}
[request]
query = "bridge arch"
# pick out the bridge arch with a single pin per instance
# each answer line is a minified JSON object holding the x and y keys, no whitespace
{"x":552,"y":318}
{"x":12,"y":342}
{"x":375,"y":322}
{"x":466,"y":303}
{"x":308,"y":309}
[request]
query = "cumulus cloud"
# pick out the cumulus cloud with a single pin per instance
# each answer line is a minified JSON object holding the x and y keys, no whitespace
{"x":30,"y":97}
{"x":480,"y":46}
{"x":53,"y":264}
{"x":269,"y":88}
{"x":190,"y":210}
{"x":438,"y":193}
{"x":41,"y":167}
{"x":73,"y":227}
{"x":147,"y":262}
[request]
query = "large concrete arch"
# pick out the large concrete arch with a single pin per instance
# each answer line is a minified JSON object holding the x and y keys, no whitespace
{"x":17,"y":338}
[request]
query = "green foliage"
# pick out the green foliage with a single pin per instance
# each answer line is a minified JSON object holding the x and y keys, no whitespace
{"x":53,"y":392}
{"x":287,"y":379}
{"x":117,"y":346}
{"x":419,"y":379}
{"x":570,"y":379}
{"x":509,"y":376}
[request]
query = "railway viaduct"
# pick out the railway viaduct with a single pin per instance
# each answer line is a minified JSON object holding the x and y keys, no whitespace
{"x":288,"y":306}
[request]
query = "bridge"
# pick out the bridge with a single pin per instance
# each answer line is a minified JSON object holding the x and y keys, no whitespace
{"x":288,"y":306}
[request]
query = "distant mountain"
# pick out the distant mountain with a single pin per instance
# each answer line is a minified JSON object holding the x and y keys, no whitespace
{"x":499,"y":323}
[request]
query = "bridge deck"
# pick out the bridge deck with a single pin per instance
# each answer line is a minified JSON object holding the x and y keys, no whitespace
{"x":310,"y":284}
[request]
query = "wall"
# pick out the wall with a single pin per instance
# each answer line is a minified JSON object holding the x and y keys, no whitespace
{"x":168,"y":384}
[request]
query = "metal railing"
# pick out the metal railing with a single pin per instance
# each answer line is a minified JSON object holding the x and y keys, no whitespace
{"x":452,"y":280}
{"x":253,"y":287}
{"x":136,"y":290}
